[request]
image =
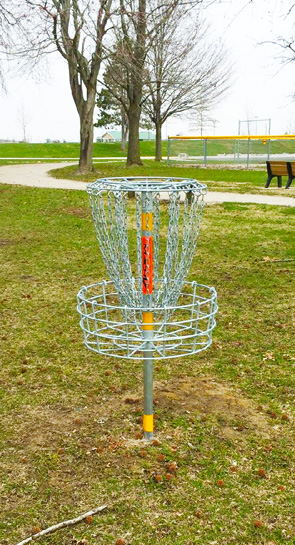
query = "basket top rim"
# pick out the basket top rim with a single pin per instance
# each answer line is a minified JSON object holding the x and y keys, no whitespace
{"x":146,"y":184}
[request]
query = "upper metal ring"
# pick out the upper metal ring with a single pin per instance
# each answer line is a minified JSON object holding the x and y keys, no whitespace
{"x":149,"y":183}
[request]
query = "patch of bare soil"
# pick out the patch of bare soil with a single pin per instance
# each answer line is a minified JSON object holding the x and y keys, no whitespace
{"x":6,"y":242}
{"x":208,"y":397}
{"x":42,"y":427}
{"x":77,"y":211}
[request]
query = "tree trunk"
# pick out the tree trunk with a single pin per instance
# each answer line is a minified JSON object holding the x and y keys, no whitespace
{"x":133,"y":156}
{"x":158,"y":156}
{"x":86,"y":139}
{"x":124,"y":126}
{"x":85,"y":109}
{"x":124,"y":140}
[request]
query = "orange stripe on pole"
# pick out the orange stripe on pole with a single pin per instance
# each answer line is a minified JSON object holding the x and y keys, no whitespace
{"x":147,"y":265}
{"x":147,"y":253}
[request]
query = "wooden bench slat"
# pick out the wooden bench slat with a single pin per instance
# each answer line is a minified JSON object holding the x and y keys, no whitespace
{"x":279,"y":171}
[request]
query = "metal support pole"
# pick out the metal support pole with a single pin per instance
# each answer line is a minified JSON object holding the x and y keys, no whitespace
{"x":205,"y":151}
{"x":168,"y":150}
{"x":148,"y":411}
{"x":147,"y":315}
{"x":248,"y":153}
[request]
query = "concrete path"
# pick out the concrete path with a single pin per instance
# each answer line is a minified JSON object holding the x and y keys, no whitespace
{"x":36,"y":175}
{"x":276,"y":200}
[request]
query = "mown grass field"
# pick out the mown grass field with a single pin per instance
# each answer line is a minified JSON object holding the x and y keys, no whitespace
{"x":100,"y":149}
{"x":222,"y":468}
{"x":231,"y":147}
{"x":70,"y":149}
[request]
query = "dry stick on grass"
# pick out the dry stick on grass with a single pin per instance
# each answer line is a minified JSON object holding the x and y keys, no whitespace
{"x":64,"y":524}
{"x":275,"y":260}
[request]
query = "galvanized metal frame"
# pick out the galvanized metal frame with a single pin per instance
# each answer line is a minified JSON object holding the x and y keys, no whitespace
{"x":116,"y":330}
{"x":147,"y":310}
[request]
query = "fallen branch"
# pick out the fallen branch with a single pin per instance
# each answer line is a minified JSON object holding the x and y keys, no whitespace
{"x":64,"y":524}
{"x":275,"y":260}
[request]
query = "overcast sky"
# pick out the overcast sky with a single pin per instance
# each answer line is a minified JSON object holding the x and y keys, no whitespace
{"x":260,"y":87}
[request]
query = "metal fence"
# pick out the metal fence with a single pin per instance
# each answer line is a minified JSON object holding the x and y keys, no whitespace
{"x":244,"y":150}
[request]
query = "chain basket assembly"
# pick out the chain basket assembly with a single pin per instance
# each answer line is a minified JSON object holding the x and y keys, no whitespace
{"x":147,"y":310}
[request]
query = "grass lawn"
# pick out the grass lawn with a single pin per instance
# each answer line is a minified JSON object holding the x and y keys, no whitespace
{"x":101,"y":149}
{"x":70,"y":149}
{"x":222,"y":468}
{"x":231,"y":147}
{"x":4,"y":162}
{"x":217,"y":179}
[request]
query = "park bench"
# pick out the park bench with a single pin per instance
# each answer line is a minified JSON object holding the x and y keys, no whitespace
{"x":277,"y":169}
{"x":291,"y":173}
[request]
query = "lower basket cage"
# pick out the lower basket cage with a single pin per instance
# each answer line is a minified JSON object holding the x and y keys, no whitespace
{"x":111,"y":328}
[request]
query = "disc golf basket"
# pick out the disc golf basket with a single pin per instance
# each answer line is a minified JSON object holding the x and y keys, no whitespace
{"x":147,"y":310}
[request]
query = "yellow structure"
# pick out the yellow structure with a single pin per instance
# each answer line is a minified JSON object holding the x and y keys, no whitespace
{"x":240,"y":137}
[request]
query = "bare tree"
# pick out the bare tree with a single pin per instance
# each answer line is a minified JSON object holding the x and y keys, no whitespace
{"x":24,"y":116}
{"x":112,"y":101}
{"x":77,"y":30}
{"x":10,"y":18}
{"x":114,"y":97}
{"x":131,"y":54}
{"x":286,"y":44}
{"x":137,"y":26}
{"x":111,"y":114}
{"x":201,"y":119}
{"x":185,"y":72}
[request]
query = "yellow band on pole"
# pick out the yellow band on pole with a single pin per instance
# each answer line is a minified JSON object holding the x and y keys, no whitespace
{"x":148,"y":423}
{"x":147,"y":221}
{"x":147,"y":321}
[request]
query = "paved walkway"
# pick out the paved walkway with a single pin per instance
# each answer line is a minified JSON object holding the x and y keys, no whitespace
{"x":36,"y":176}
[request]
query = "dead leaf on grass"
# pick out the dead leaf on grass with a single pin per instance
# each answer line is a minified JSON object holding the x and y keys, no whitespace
{"x":258,"y":523}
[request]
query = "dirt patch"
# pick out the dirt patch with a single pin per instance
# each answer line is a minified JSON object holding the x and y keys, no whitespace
{"x":45,"y":426}
{"x":42,"y":427}
{"x":77,"y":211}
{"x":204,"y":395}
{"x":6,"y":242}
{"x":28,"y":277}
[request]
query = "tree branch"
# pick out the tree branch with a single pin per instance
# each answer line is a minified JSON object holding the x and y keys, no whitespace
{"x":63,"y":524}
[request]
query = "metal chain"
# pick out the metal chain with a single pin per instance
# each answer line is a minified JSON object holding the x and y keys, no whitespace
{"x":139,"y":251}
{"x":156,"y":248}
{"x":109,"y":210}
